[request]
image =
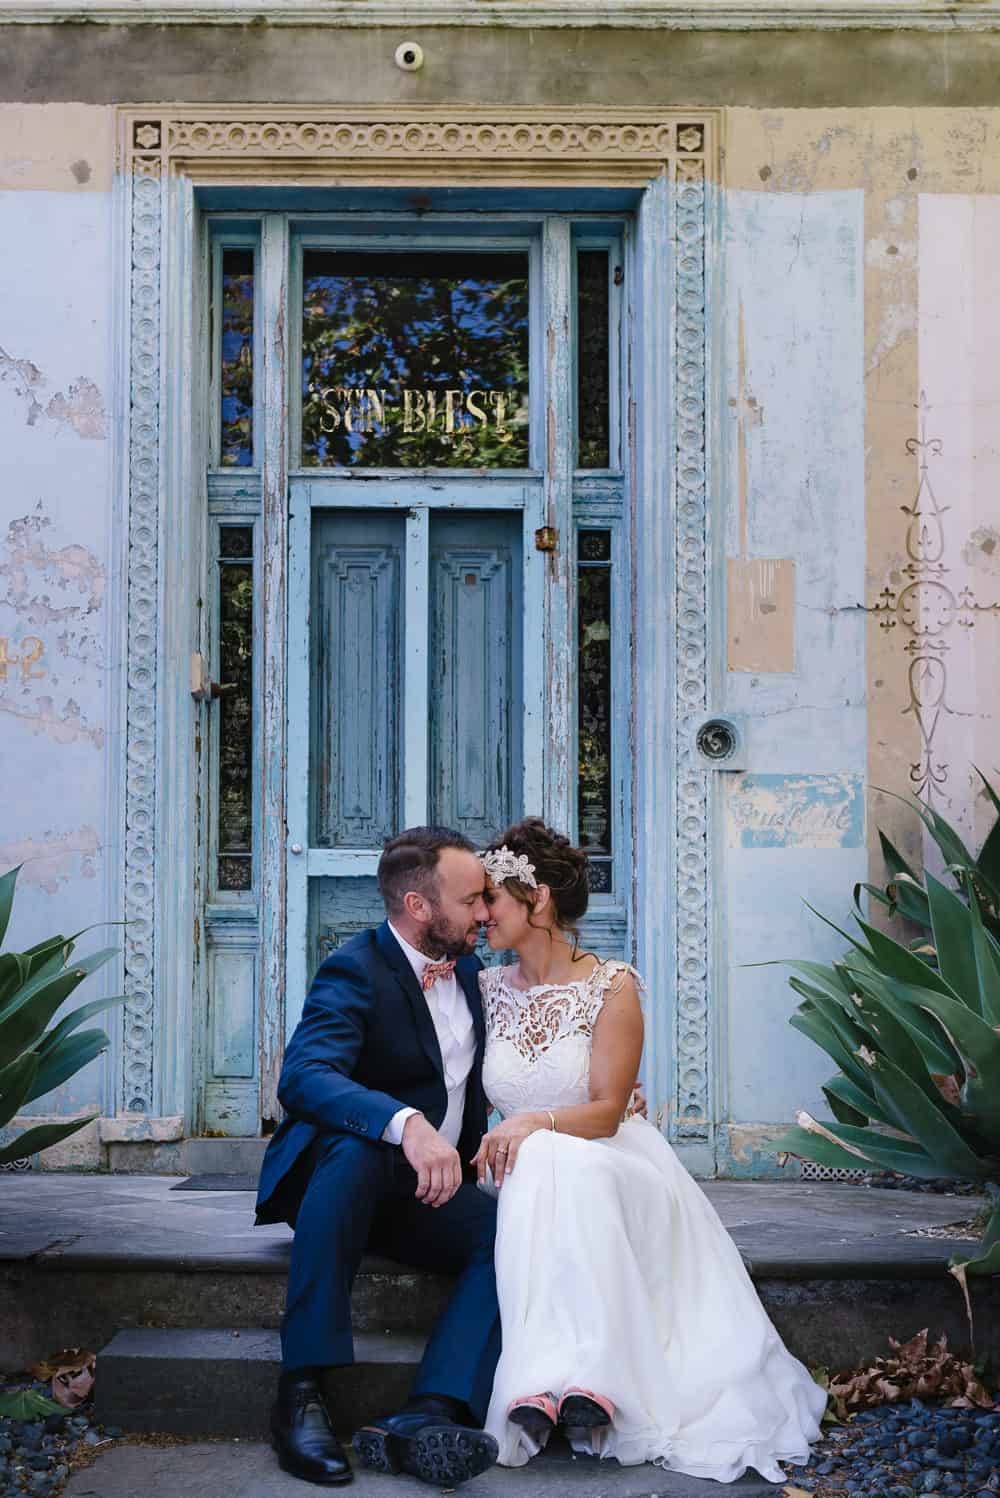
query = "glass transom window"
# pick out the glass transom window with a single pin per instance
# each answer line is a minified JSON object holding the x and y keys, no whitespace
{"x":414,"y":360}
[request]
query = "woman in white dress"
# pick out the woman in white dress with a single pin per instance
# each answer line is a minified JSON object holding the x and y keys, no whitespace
{"x":627,"y":1315}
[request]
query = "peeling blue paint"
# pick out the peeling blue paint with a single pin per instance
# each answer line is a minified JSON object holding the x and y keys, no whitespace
{"x":797,"y":811}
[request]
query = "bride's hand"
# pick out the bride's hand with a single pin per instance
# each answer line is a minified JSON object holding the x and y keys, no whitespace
{"x":499,"y":1147}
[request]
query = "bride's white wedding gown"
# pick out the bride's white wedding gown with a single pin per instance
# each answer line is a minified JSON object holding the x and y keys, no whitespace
{"x":615,"y":1274}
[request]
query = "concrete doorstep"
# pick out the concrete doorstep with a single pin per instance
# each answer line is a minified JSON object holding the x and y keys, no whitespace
{"x":231,"y":1469}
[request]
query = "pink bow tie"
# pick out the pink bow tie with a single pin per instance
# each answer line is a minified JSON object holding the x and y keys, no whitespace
{"x":435,"y":970}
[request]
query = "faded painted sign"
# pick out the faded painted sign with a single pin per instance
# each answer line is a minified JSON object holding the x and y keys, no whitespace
{"x":796,"y":811}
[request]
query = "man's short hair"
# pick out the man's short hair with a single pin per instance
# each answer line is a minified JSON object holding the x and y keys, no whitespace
{"x":410,"y":861}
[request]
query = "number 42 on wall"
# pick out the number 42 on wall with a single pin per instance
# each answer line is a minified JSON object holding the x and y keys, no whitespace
{"x":31,"y":652}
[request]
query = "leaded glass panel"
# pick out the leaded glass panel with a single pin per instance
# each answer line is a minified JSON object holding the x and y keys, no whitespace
{"x":235,"y":743}
{"x":594,"y":808}
{"x":236,"y":359}
{"x":593,"y":405}
{"x":414,"y":360}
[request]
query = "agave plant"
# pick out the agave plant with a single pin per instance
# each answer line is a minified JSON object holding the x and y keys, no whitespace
{"x":914,"y":1027}
{"x":33,"y":1058}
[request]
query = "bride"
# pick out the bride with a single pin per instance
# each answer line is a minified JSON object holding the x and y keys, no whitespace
{"x":627,"y":1315}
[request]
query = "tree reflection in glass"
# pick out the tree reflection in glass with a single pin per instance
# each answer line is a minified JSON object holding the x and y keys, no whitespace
{"x":237,"y":359}
{"x":414,"y":360}
{"x":594,"y":703}
{"x":235,"y":740}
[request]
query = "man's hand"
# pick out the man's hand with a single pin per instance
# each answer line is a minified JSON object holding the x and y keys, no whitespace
{"x":637,"y":1103}
{"x":439,"y":1170}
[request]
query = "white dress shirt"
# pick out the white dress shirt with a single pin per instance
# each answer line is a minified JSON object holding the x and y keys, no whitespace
{"x":453,"y":1025}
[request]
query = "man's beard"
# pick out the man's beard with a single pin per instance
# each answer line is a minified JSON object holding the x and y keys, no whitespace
{"x":442,"y":940}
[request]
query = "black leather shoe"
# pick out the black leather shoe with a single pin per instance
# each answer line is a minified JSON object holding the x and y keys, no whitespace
{"x":427,"y":1445}
{"x":302,"y":1435}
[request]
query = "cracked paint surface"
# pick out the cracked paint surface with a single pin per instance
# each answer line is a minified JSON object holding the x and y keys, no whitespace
{"x":796,"y":811}
{"x":52,"y":860}
{"x":46,"y":584}
{"x":80,"y":407}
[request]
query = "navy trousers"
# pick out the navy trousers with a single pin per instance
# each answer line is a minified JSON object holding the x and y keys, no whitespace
{"x":360,"y":1198}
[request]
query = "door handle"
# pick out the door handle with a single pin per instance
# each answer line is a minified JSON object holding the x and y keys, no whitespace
{"x":203,"y":688}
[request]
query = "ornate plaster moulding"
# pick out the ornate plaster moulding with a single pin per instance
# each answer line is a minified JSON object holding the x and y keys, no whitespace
{"x":681,"y":15}
{"x":393,"y":146}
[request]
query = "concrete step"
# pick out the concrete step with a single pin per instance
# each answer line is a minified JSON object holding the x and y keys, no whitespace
{"x":222,"y":1157}
{"x":86,"y":1300}
{"x":221,"y":1381}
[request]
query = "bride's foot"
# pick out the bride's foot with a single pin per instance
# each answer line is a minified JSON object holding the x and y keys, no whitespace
{"x":583,"y":1413}
{"x":583,"y":1408}
{"x":536,"y":1414}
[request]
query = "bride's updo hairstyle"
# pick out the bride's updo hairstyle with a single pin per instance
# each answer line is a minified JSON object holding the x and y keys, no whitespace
{"x":556,"y":863}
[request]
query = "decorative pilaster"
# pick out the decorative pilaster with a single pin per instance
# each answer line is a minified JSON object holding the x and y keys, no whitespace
{"x":691,"y":1115}
{"x":143,"y":522}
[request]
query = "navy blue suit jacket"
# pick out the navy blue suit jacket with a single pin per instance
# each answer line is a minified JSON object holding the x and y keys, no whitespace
{"x":364,"y":1048}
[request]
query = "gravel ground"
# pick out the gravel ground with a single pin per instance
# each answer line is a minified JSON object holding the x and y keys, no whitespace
{"x":36,"y":1456}
{"x":911,"y":1450}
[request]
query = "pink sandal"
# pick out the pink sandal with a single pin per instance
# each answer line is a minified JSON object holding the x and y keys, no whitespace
{"x":536,"y":1414}
{"x":583,"y":1410}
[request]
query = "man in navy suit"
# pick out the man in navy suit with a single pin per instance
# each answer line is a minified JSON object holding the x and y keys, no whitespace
{"x":382,"y":1091}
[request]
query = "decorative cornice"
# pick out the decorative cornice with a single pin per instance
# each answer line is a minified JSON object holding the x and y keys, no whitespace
{"x":394,"y":144}
{"x":676,"y":15}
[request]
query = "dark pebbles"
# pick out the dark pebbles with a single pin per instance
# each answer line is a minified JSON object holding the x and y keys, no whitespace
{"x":913,"y":1450}
{"x":36,"y":1455}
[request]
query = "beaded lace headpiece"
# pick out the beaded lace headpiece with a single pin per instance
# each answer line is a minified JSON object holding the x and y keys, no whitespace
{"x":501,"y":864}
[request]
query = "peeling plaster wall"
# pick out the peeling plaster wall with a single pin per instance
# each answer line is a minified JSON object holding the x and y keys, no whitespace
{"x":57,"y":680}
{"x":793,"y":500}
{"x":909,"y":418}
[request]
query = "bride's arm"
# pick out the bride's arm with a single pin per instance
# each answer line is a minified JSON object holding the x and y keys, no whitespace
{"x":615,"y":1053}
{"x":616,"y":1050}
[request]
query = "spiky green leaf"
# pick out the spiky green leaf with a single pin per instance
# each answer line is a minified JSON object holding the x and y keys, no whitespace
{"x":71,"y":1055}
{"x":899,"y":962}
{"x":858,"y":1149}
{"x":952,"y":925}
{"x":15,"y":1085}
{"x":902,"y":999}
{"x":916,"y":1115}
{"x":987,"y":971}
{"x":842,"y":1111}
{"x":978,"y":1046}
{"x":72,"y":1021}
{"x":8,"y":882}
{"x":25,"y":1019}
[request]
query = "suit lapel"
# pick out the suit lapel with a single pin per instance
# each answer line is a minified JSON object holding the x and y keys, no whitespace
{"x":395,"y":958}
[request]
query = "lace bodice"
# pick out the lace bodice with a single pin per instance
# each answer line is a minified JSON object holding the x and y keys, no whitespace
{"x":538,"y":1039}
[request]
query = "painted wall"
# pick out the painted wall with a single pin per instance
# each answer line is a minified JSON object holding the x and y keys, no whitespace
{"x":858,"y":303}
{"x":59,"y":663}
{"x":861,"y":445}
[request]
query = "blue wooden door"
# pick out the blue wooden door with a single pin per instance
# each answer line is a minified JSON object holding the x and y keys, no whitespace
{"x":412,"y":708}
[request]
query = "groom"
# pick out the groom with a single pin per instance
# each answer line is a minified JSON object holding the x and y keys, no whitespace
{"x":382,"y":1091}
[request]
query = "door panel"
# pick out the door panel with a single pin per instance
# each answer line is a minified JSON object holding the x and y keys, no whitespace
{"x":355,"y":674}
{"x":475,"y":681}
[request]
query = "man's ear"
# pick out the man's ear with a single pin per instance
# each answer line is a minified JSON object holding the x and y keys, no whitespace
{"x":415,"y":905}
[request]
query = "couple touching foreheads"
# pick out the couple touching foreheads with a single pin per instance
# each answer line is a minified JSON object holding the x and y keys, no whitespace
{"x":596,"y":1290}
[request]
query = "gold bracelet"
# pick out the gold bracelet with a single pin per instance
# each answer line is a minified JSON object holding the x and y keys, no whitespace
{"x":552,"y":1119}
